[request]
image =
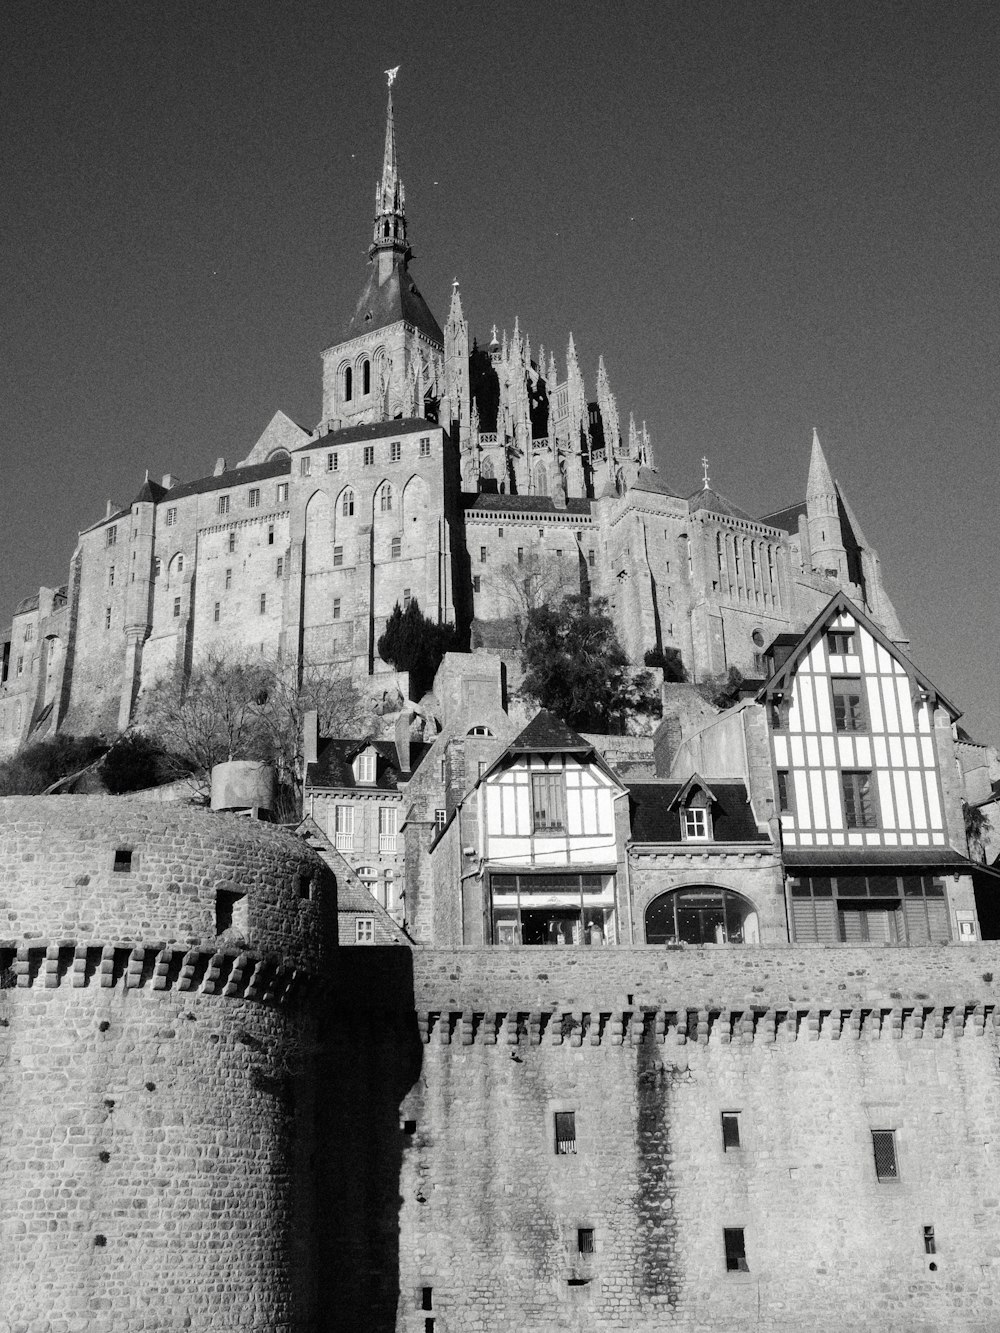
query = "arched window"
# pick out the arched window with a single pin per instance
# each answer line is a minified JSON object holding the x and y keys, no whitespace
{"x":366,"y":376}
{"x":385,"y":497}
{"x":701,"y":915}
{"x":348,"y":384}
{"x":347,"y":504}
{"x":719,"y":554}
{"x":368,"y":876}
{"x":479,"y":731}
{"x":541,"y":479}
{"x":486,"y":469}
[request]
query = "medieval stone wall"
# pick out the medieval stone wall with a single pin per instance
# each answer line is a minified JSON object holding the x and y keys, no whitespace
{"x":156,"y":1105}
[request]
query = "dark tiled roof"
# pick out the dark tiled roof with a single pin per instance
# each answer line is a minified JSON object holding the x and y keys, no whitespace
{"x":152,"y":492}
{"x":902,"y":859}
{"x":237,"y":476}
{"x":787,"y":519}
{"x":653,"y":819}
{"x":395,"y":299}
{"x":523,"y":504}
{"x":333,"y":767}
{"x":546,"y":733}
{"x":649,"y":481}
{"x":715,"y":504}
{"x":375,"y":430}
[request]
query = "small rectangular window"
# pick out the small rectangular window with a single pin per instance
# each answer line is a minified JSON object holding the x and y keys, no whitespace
{"x":171,"y":517}
{"x":157,"y":566}
{"x":232,"y":542}
{"x":395,"y":451}
{"x":270,"y":534}
{"x":427,"y":1298}
{"x":217,"y":614}
{"x":229,"y":579}
{"x":840,"y":642}
{"x":482,"y":768}
{"x":848,"y":704}
{"x":477,"y":583}
{"x":123,"y":860}
{"x":223,"y":504}
{"x":364,"y":930}
{"x":253,"y":497}
{"x":364,"y":767}
{"x":779,"y":710}
{"x":406,"y":598}
{"x":263,"y":602}
{"x":338,"y":556}
{"x":282,"y":492}
{"x":730,"y":1130}
{"x":930,"y":1245}
{"x":500,"y":533}
{"x":884,"y":1148}
{"x":111,"y":584}
{"x":585,"y":1240}
{"x":111,"y":536}
{"x":396,"y":549}
{"x":482,"y":555}
{"x":107,"y":625}
{"x":520,"y":555}
{"x":565,"y":1133}
{"x":736,"y":1253}
{"x":305,"y":466}
{"x":332,"y":462}
{"x":591,"y":558}
{"x":369,"y":455}
{"x":279,"y":568}
{"x":786,"y":797}
{"x":444,"y":770}
{"x":336,"y":608}
{"x":425,"y":446}
{"x":440,"y":818}
{"x":695,"y":823}
{"x":177,"y":608}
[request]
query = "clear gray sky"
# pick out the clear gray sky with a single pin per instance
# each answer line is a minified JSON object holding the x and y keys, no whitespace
{"x":766,"y":216}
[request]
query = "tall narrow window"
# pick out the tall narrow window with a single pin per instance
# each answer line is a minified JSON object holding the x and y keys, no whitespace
{"x":476,"y":583}
{"x":111,"y":536}
{"x":786,"y":797}
{"x":366,"y":376}
{"x":347,"y":504}
{"x":730,"y":1130}
{"x":217,"y":612}
{"x":848,"y":704}
{"x":332,"y":462}
{"x":343,"y":828}
{"x":736,"y":1252}
{"x":585,"y":1240}
{"x":368,"y":456}
{"x":107,"y":625}
{"x":548,"y":802}
{"x":336,"y":608}
{"x":253,"y":497}
{"x":395,"y":451}
{"x":305,"y":466}
{"x":232,"y":542}
{"x":396,"y":548}
{"x":482,"y":555}
{"x":263,"y":602}
{"x":282,"y":492}
{"x":270,"y":534}
{"x":223,"y":504}
{"x":279,"y":568}
{"x":565,"y":1133}
{"x":171,"y":517}
{"x":859,"y":800}
{"x":338,"y":556}
{"x":348,"y":384}
{"x":111,"y":584}
{"x":385,"y":498}
{"x":177,"y":608}
{"x":229,"y":579}
{"x":884,"y":1149}
{"x":406,"y":598}
{"x":425,"y":446}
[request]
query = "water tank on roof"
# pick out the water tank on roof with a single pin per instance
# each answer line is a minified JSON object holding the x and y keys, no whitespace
{"x":243,"y":784}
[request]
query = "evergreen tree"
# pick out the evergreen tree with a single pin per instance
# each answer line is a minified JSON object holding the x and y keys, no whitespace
{"x":575,"y":666}
{"x":412,"y":642}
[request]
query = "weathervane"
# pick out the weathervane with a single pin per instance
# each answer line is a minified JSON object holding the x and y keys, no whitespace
{"x":392,"y":74}
{"x":704,"y":468}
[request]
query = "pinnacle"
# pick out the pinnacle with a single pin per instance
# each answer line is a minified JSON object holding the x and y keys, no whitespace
{"x":820,"y":480}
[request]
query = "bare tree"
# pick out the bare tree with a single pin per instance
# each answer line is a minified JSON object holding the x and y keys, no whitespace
{"x":525,"y":586}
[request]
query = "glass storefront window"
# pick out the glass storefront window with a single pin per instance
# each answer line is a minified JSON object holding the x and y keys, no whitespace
{"x":702,"y":915}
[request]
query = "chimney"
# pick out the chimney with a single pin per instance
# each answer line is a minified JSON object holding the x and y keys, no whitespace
{"x":220,"y":467}
{"x":310,"y":739}
{"x":168,"y":480}
{"x":107,"y":513}
{"x":403,"y":743}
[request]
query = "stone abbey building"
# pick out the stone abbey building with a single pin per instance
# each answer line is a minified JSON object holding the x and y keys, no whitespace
{"x":476,"y":476}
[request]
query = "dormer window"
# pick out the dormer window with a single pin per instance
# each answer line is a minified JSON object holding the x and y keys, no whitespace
{"x":364,"y":767}
{"x":696,"y":824}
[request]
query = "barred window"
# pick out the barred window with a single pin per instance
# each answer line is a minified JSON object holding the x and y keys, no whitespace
{"x":884,"y":1149}
{"x":585,"y":1240}
{"x":848,"y":704}
{"x":565,"y":1133}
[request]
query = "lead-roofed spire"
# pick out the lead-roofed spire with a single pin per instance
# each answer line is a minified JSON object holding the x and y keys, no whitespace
{"x":389,"y":236}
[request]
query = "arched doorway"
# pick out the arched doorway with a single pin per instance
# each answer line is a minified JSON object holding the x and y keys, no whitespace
{"x":701,"y":914}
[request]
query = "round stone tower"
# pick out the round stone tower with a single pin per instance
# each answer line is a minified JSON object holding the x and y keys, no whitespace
{"x":155,"y":1041}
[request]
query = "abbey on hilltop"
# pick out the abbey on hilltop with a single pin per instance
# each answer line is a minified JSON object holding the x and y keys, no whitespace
{"x":471,"y":475}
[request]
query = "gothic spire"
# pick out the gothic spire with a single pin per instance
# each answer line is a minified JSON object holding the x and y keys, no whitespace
{"x":820,"y":481}
{"x":455,"y":315}
{"x":389,"y":236}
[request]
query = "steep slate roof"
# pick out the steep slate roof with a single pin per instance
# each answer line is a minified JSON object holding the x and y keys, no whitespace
{"x":787,"y":519}
{"x":237,"y":476}
{"x":333,"y":766}
{"x":840,"y":602}
{"x":715,"y":503}
{"x":396,"y":299}
{"x":547,"y":734}
{"x":152,"y":492}
{"x":655,"y":813}
{"x":353,"y":899}
{"x":375,"y":430}
{"x":523,"y":504}
{"x":648,"y":480}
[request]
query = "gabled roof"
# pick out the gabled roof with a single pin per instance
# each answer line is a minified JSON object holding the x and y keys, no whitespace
{"x":715,"y":503}
{"x":694,"y":783}
{"x":840,"y":602}
{"x":353,"y":899}
{"x":548,"y":734}
{"x":237,"y":476}
{"x":523,"y":504}
{"x":648,"y":480}
{"x":397,"y":299}
{"x":334,"y":763}
{"x":655,"y":813}
{"x":374,"y":430}
{"x":787,"y":519}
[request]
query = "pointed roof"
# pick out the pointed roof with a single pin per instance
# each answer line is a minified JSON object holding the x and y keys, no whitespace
{"x":780,"y":680}
{"x":547,"y":734}
{"x":390,"y":167}
{"x":820,"y":479}
{"x":397,"y":299}
{"x":455,"y":315}
{"x":715,"y":503}
{"x":151,"y":493}
{"x":787,"y":519}
{"x":648,"y":480}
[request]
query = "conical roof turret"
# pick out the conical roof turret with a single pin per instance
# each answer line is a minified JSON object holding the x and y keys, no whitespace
{"x":820,"y":481}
